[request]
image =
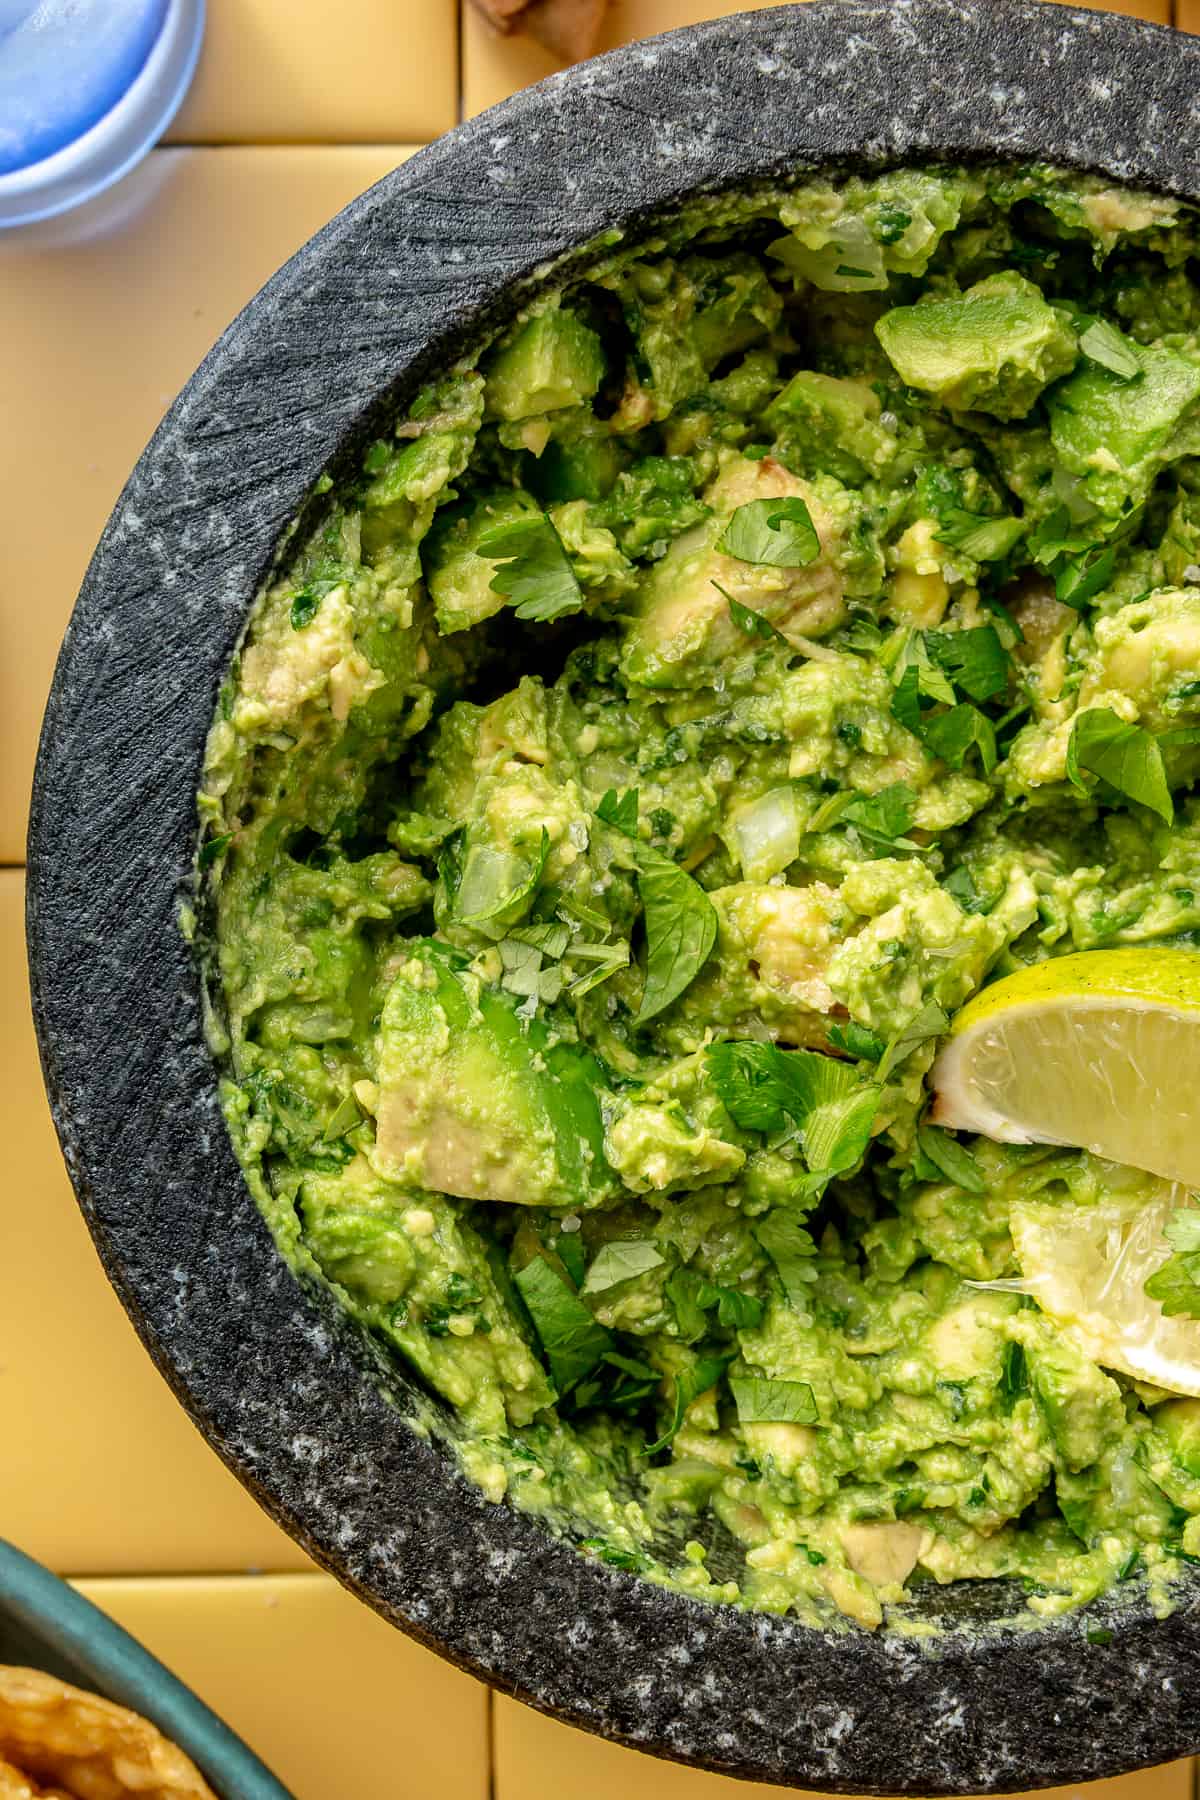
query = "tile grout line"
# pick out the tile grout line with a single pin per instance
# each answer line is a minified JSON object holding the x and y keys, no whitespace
{"x":460,"y":36}
{"x":490,"y":1728}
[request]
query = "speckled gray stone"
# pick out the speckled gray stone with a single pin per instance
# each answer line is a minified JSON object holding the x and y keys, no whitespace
{"x":405,"y":277}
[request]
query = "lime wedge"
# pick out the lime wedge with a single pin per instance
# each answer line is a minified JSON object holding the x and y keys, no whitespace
{"x":1086,"y":1266}
{"x":1100,"y":1050}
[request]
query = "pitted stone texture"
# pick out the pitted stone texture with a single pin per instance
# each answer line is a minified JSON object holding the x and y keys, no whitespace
{"x":407,"y":277}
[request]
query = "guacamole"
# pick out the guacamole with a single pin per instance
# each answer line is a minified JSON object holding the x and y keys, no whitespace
{"x":779,"y":630}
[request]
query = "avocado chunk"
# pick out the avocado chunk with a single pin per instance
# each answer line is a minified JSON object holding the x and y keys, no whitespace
{"x":826,"y":422}
{"x":480,"y":1103}
{"x":1179,"y":1421}
{"x":993,"y":348}
{"x":415,"y":1271}
{"x":1114,"y":434}
{"x":458,"y":578}
{"x":554,"y":361}
{"x":1081,"y":1405}
{"x":582,"y":467}
{"x":685,"y":628}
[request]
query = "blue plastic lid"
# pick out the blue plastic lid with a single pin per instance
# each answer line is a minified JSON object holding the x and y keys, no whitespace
{"x":63,"y":65}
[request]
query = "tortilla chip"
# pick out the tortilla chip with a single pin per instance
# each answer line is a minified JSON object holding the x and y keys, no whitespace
{"x":84,"y":1747}
{"x":15,"y":1786}
{"x":502,"y":14}
{"x":568,"y":28}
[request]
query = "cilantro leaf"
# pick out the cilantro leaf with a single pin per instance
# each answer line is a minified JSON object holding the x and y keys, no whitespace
{"x":536,"y":574}
{"x":790,"y":1247}
{"x":690,"y":1383}
{"x":1014,"y":1377}
{"x":573,"y":1341}
{"x":951,"y":734}
{"x":212,"y":848}
{"x":762,"y":1087}
{"x":307,"y":602}
{"x":735,"y":1310}
{"x":1176,"y":1285}
{"x":623,"y":1259}
{"x":982,"y":539}
{"x":778,"y":532}
{"x":682,"y":1289}
{"x":960,"y":883}
{"x":568,"y":1247}
{"x":681,"y":921}
{"x":605,"y":959}
{"x":681,"y":930}
{"x":751,"y":1085}
{"x":1125,"y":756}
{"x":763,"y":1401}
{"x":1059,"y":535}
{"x":932,"y":684}
{"x":1079,"y":579}
{"x":632,"y":1561}
{"x":857,"y":1040}
{"x":929,"y":1021}
{"x":620,"y":811}
{"x":1182,"y":1230}
{"x":950,"y":1158}
{"x":1104,"y":345}
{"x":886,"y":815}
{"x":975,"y":660}
{"x":753,"y":624}
{"x":906,"y":698}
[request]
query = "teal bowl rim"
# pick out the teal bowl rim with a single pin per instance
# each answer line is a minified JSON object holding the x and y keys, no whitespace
{"x":72,"y":1628}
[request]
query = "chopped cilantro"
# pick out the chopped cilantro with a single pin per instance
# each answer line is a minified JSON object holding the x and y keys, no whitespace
{"x":622,"y":1259}
{"x":790,"y":1247}
{"x":778,"y":532}
{"x":307,"y":602}
{"x":951,"y":734}
{"x":975,"y":660}
{"x":857,"y":1040}
{"x":950,"y":1159}
{"x":213,"y":848}
{"x":572,"y":1340}
{"x":536,"y":573}
{"x":760,"y":1401}
{"x":1014,"y":1377}
{"x":748,"y":621}
{"x":1079,"y":579}
{"x":929,"y":1021}
{"x":1104,"y":345}
{"x":1124,"y":756}
{"x":690,"y":1383}
{"x":1176,"y":1285}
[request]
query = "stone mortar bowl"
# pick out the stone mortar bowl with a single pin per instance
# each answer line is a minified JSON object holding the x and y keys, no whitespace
{"x":398,"y":285}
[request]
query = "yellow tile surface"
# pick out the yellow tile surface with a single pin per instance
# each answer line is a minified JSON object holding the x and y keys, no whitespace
{"x":340,"y":1705}
{"x":494,"y":66}
{"x":363,"y":72}
{"x":99,"y":337}
{"x":1157,"y":11}
{"x":535,"y":1757}
{"x":102,"y":1469}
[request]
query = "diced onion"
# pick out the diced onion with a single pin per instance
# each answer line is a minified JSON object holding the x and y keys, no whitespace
{"x":767,"y":834}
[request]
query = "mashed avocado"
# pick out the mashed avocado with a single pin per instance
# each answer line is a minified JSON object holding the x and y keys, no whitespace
{"x":775,"y":634}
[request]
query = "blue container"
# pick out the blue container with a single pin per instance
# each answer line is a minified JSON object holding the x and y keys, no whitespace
{"x":86,"y":87}
{"x":46,"y":1625}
